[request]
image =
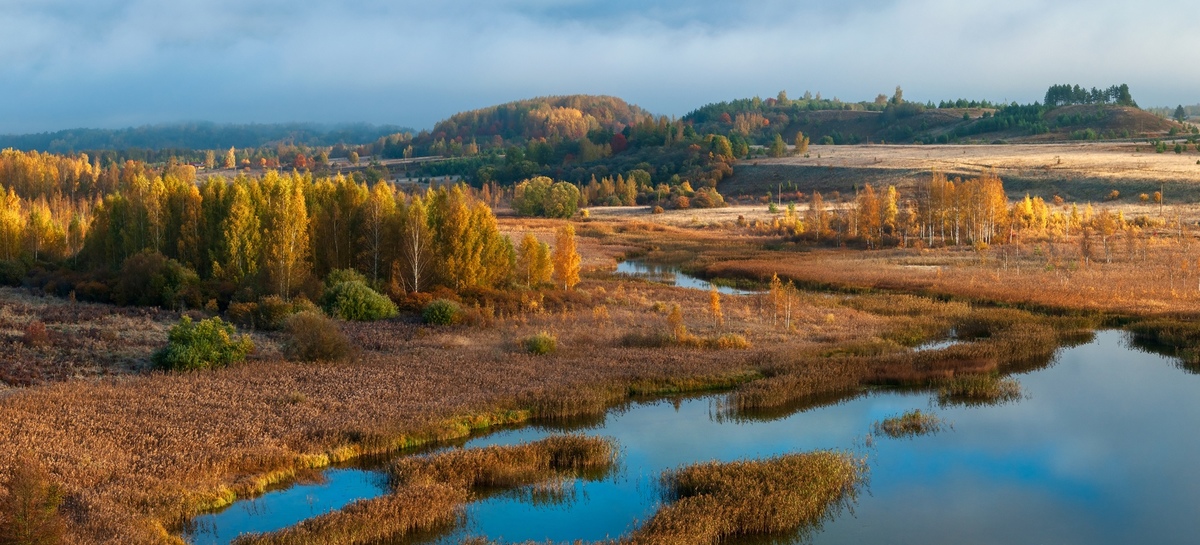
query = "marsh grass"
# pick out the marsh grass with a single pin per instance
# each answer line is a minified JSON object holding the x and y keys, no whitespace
{"x":910,"y":424}
{"x":988,"y":389}
{"x":1180,"y":337}
{"x":713,"y":502}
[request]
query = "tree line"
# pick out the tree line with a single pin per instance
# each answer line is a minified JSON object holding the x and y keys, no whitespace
{"x":161,"y":238}
{"x":953,"y":212}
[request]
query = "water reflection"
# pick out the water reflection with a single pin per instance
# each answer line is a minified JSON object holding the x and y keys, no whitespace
{"x":666,"y":274}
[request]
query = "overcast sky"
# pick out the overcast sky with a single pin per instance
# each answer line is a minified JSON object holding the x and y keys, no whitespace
{"x":118,"y":63}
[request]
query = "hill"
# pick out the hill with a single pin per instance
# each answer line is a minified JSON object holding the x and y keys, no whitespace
{"x":568,"y":117}
{"x":197,"y":136}
{"x":1089,"y":116}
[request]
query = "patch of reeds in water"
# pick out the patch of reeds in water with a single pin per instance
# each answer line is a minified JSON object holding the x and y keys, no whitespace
{"x":713,"y":502}
{"x":910,"y":424}
{"x":1005,"y":341}
{"x":986,"y":389}
{"x":1176,"y":337}
{"x":428,"y":492}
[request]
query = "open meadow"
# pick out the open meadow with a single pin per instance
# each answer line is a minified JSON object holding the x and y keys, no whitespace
{"x":1077,"y":171}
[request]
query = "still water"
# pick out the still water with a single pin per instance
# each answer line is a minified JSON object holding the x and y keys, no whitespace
{"x":1099,"y":450}
{"x":672,"y":276}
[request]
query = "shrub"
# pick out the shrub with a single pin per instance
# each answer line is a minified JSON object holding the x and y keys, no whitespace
{"x":354,"y":300}
{"x":269,"y":313}
{"x":36,"y":334}
{"x":202,"y":345}
{"x":541,"y":344}
{"x":730,"y":341}
{"x":29,"y":513}
{"x":312,"y":336}
{"x":441,"y":312}
{"x":657,"y":210}
{"x":149,"y":278}
{"x":12,"y":272}
{"x":337,"y":276}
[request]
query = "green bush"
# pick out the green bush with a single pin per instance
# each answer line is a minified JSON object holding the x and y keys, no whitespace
{"x":337,"y":276}
{"x":541,"y":344}
{"x":354,"y":300}
{"x":202,"y":345}
{"x":441,"y":312}
{"x":312,"y":336}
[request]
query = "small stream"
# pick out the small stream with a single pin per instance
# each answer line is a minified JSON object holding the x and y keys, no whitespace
{"x":672,"y":276}
{"x":1098,"y":450}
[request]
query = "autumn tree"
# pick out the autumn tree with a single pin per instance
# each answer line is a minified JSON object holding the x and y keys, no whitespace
{"x":230,"y":158}
{"x":12,"y":225}
{"x":566,"y":258}
{"x":778,"y":147}
{"x":240,"y":237}
{"x":376,"y":218}
{"x":534,"y":266}
{"x":416,"y":245}
{"x":801,"y":144}
{"x":714,"y":306}
{"x":287,"y":241}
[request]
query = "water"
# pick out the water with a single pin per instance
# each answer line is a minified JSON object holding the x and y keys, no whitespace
{"x":671,"y":275}
{"x":1100,"y":450}
{"x":279,"y":509}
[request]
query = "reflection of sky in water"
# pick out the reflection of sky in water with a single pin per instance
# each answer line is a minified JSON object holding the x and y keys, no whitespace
{"x":671,"y":275}
{"x":282,"y":508}
{"x":1100,"y":451}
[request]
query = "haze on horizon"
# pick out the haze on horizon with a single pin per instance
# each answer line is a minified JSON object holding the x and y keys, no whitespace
{"x":119,"y":63}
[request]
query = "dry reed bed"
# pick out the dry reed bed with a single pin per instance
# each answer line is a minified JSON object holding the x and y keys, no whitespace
{"x":79,"y":340}
{"x":713,"y":502}
{"x":1158,"y":277}
{"x":428,"y":492}
{"x":1008,"y":340}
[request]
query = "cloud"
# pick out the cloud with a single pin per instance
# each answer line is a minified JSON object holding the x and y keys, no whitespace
{"x":115,"y":63}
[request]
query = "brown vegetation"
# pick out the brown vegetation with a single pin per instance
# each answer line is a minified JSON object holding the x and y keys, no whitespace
{"x":909,"y":424}
{"x":714,"y":502}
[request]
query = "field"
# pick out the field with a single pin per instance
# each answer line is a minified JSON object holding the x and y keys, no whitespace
{"x":1075,"y":171}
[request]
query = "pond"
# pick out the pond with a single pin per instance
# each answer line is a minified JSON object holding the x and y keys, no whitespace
{"x":672,"y":276}
{"x":1099,"y":450}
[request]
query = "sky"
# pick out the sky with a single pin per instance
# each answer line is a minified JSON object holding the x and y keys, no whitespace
{"x":119,"y":63}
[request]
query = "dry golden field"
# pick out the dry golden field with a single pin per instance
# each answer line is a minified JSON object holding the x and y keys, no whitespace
{"x":1077,"y":171}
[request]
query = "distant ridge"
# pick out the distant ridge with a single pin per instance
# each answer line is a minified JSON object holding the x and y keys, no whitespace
{"x":198,"y":135}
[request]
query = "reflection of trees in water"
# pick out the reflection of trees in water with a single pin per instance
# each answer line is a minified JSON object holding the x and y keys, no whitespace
{"x":1186,"y":359}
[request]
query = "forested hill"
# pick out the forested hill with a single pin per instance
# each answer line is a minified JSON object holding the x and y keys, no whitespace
{"x":198,"y":136}
{"x":569,"y":117}
{"x":1068,"y":113}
